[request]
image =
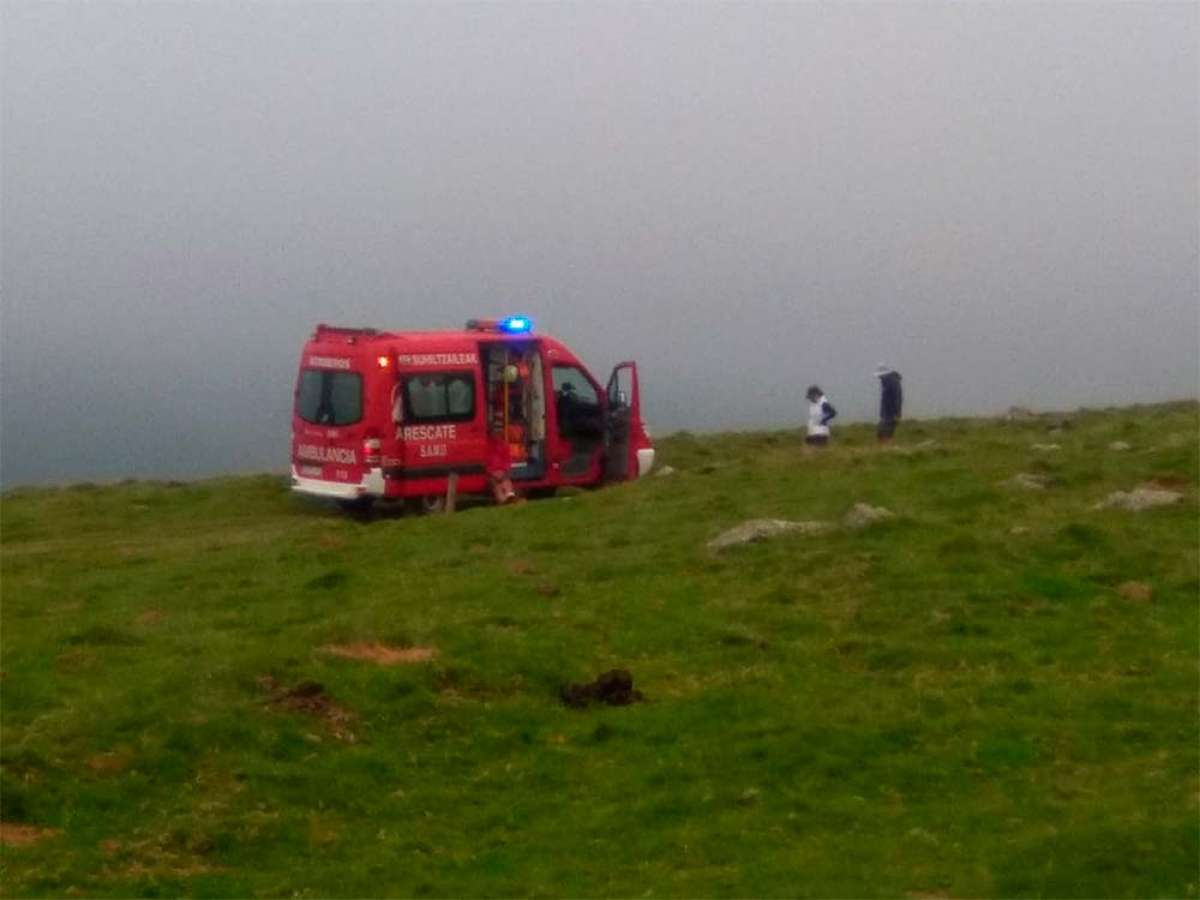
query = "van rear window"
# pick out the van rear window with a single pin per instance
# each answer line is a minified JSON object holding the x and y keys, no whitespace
{"x":439,"y":397}
{"x":329,"y":398}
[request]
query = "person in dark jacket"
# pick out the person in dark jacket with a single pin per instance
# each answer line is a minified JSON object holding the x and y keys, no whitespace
{"x":891,"y":401}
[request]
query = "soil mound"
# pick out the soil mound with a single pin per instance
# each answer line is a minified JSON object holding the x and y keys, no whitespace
{"x":309,"y":697}
{"x":614,"y":688}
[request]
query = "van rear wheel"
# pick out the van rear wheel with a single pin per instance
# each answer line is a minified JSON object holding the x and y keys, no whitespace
{"x":429,"y":504}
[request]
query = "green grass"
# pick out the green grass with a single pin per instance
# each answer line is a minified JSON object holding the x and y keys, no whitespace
{"x":935,"y":705}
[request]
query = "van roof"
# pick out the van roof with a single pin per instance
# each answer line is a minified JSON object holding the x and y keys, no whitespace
{"x":434,"y":341}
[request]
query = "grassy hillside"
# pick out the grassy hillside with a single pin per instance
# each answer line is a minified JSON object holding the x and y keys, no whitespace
{"x":967,"y":700}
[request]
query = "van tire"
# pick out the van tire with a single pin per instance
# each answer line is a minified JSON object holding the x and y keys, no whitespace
{"x":542,"y":493}
{"x":428,"y":505}
{"x":357,"y":506}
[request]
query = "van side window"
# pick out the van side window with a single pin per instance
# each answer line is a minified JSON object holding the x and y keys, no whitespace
{"x":570,"y":380}
{"x":439,"y":397}
{"x":577,"y":404}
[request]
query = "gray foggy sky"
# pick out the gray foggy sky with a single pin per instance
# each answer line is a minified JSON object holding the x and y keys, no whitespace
{"x":998,"y":199}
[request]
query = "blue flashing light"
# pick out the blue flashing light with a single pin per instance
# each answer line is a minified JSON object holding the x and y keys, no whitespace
{"x":516,"y":324}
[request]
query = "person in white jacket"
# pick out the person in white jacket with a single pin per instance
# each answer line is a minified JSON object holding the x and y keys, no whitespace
{"x":820,"y":414}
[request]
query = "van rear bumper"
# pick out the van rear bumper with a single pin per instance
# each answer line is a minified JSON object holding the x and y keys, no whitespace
{"x":645,"y":460}
{"x":370,"y":486}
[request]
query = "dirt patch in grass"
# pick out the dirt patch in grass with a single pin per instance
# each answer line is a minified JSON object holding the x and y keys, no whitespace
{"x":74,"y":660}
{"x":1169,"y":482}
{"x":108,"y":763}
{"x":14,"y":835}
{"x":328,"y":581}
{"x":151,"y":617}
{"x":157,"y":856}
{"x":614,"y":688}
{"x":521,"y":567}
{"x":1136,"y":591}
{"x":382,"y":654}
{"x":157,"y":870}
{"x":309,"y":697}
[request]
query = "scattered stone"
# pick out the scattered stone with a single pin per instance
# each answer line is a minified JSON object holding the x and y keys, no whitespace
{"x":1046,"y":448}
{"x":665,"y":471}
{"x":756,"y":530}
{"x":614,"y":688}
{"x":14,"y":835}
{"x":1019,"y":529}
{"x":382,"y":654}
{"x":1140,"y":498}
{"x":1120,"y":446}
{"x":862,"y":514}
{"x":1028,"y":481}
{"x":1136,"y":591}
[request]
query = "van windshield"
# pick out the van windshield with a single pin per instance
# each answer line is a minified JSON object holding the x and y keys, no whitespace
{"x":329,"y":398}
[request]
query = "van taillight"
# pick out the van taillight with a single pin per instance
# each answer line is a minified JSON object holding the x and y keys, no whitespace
{"x":371,"y":451}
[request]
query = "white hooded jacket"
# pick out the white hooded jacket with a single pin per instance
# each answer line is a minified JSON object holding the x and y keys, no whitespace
{"x":820,"y":412}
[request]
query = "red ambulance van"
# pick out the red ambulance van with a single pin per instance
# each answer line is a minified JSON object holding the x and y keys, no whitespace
{"x":392,"y":414}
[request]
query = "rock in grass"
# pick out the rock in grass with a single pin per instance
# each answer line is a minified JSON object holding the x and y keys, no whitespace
{"x":755,"y":530}
{"x":1046,"y":448}
{"x":863,"y":514}
{"x":1027,"y":481}
{"x":1136,"y":591}
{"x":1141,"y":498}
{"x":1120,"y":446}
{"x":665,"y":471}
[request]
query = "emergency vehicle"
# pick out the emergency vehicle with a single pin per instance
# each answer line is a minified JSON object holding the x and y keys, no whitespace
{"x":392,"y":415}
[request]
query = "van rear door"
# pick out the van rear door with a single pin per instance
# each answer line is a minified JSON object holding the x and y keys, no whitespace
{"x":330,"y":423}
